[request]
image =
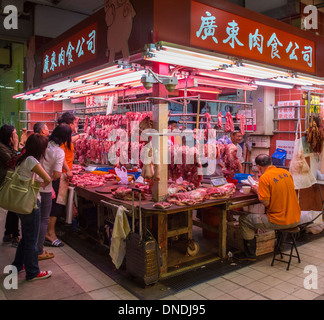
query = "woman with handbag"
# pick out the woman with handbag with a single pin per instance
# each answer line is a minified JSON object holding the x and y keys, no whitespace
{"x":66,"y":119}
{"x":8,"y":149}
{"x":53,"y":164}
{"x":27,"y":167}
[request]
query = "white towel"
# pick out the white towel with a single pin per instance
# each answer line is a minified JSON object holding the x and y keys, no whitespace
{"x":118,"y":240}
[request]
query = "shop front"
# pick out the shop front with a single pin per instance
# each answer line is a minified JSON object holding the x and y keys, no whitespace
{"x":215,"y":69}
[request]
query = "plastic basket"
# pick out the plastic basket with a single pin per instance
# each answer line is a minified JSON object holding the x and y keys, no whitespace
{"x":242,"y":176}
{"x":279,"y":157}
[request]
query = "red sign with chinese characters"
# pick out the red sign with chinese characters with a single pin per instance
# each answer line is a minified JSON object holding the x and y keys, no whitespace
{"x":227,"y":33}
{"x":80,"y":48}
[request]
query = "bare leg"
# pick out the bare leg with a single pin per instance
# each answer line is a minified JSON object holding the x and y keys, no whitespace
{"x":51,"y":235}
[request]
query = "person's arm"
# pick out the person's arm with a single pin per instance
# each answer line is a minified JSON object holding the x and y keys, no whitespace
{"x":56,"y":175}
{"x":255,"y":189}
{"x":265,"y":202}
{"x":67,"y":169}
{"x":78,"y":136}
{"x":14,"y":140}
{"x":39,"y":170}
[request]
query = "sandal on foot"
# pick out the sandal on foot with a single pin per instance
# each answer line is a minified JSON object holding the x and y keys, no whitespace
{"x":55,"y":243}
{"x":45,"y":255}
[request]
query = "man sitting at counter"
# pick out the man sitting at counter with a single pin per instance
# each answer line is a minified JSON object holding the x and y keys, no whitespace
{"x":276,"y":191}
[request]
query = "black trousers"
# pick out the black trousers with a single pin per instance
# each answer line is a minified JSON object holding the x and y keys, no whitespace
{"x":58,"y":210}
{"x":12,"y":224}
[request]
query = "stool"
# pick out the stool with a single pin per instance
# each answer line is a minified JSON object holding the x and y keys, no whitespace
{"x":283,"y":236}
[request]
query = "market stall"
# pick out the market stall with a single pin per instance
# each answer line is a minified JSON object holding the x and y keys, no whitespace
{"x":156,"y":218}
{"x":250,"y":77}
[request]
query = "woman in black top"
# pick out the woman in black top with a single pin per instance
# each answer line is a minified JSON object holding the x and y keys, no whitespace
{"x":8,"y":149}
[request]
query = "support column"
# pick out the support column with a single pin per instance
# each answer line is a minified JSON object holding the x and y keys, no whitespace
{"x":160,"y":144}
{"x":160,"y":147}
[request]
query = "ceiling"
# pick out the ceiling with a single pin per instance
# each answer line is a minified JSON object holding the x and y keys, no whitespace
{"x":90,"y":6}
{"x":87,"y":7}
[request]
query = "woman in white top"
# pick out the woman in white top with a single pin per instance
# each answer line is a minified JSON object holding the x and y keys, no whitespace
{"x":27,"y":252}
{"x":53,"y":164}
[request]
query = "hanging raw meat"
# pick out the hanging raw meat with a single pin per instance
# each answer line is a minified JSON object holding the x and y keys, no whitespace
{"x":315,"y":133}
{"x":185,"y":163}
{"x":86,"y":124}
{"x":208,"y":120}
{"x":220,"y":121}
{"x":229,"y":124}
{"x":209,"y":132}
{"x":242,"y":118}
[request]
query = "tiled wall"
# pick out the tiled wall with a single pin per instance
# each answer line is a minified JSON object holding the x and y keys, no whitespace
{"x":287,"y":125}
{"x":43,"y":111}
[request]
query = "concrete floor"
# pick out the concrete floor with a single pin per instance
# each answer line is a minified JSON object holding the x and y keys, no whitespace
{"x":74,"y":278}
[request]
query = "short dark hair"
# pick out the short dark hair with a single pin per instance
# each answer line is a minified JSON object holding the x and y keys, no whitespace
{"x":38,"y":127}
{"x":62,"y":134}
{"x":263,"y":160}
{"x":236,"y":130}
{"x":6,"y":133}
{"x":67,"y":118}
{"x":35,"y":146}
{"x":171,"y":122}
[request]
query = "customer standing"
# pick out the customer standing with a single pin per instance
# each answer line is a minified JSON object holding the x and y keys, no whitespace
{"x":27,"y":251}
{"x":41,"y":128}
{"x":8,"y":149}
{"x":66,"y":118}
{"x":276,"y":191}
{"x":53,"y":164}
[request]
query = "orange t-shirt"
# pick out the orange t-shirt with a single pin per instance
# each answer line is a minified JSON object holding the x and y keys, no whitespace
{"x":277,"y":185}
{"x":69,"y":155}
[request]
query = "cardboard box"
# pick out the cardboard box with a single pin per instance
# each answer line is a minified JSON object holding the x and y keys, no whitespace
{"x":265,"y":240}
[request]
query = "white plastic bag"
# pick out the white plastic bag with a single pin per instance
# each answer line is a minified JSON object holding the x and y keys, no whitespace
{"x":62,"y":195}
{"x":299,"y":169}
{"x":122,"y":175}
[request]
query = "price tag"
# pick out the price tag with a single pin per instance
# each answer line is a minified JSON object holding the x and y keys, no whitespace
{"x":218,"y":181}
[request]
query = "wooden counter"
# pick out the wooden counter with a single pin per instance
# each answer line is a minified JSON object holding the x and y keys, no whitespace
{"x":238,"y":200}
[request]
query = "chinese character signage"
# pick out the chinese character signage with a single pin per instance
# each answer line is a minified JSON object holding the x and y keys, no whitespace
{"x":71,"y":52}
{"x":286,"y":145}
{"x":228,"y":33}
{"x":287,"y":113}
{"x":96,"y":101}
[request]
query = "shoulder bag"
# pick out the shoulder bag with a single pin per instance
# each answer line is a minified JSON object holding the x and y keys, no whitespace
{"x":19,"y":195}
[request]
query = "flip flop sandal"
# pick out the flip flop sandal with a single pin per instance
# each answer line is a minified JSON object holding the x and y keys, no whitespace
{"x":55,"y":243}
{"x":46,"y":255}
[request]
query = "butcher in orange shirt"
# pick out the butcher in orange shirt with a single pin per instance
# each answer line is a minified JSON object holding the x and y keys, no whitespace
{"x":276,"y":191}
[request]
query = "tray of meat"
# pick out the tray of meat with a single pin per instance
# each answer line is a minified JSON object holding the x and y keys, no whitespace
{"x":89,"y":180}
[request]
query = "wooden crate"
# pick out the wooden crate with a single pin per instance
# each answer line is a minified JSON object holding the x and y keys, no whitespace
{"x":265,"y":241}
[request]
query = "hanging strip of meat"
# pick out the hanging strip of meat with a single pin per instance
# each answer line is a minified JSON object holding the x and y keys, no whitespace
{"x":220,"y":121}
{"x":242,"y":118}
{"x":229,"y":124}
